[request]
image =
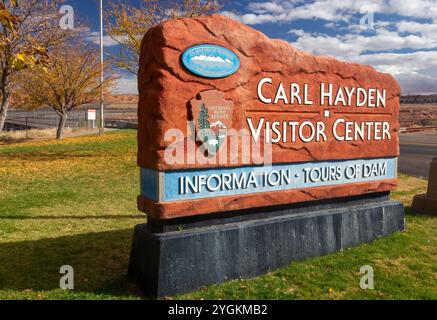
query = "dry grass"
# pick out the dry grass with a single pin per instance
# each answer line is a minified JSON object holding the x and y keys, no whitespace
{"x":14,"y":136}
{"x":408,"y":187}
{"x":21,"y":135}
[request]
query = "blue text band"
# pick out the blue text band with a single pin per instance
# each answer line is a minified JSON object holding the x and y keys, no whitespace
{"x":208,"y":183}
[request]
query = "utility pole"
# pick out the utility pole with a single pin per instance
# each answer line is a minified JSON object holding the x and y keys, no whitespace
{"x":102,"y":116}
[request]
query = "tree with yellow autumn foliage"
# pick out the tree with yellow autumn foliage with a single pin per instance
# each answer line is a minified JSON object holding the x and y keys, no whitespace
{"x":28,"y":28}
{"x":70,"y":79}
{"x":127,"y":24}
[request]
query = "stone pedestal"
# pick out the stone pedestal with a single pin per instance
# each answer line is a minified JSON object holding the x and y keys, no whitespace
{"x":179,"y":256}
{"x":427,"y":203}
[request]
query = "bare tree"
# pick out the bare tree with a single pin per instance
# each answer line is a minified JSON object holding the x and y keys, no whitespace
{"x":71,"y":79}
{"x":127,"y":24}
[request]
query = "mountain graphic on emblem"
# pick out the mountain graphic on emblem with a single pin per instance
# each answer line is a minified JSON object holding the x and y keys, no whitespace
{"x":210,"y":61}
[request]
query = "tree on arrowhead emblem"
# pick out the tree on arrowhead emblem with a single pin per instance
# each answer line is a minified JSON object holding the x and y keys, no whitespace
{"x":203,"y":118}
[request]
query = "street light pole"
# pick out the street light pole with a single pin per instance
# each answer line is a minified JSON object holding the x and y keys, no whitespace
{"x":102,"y":116}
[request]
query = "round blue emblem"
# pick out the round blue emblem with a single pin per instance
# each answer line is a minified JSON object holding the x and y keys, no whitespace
{"x":211,"y":61}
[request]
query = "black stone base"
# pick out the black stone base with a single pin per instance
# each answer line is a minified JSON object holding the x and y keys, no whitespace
{"x":173,"y":262}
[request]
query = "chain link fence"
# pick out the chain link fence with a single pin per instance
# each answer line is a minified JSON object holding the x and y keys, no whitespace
{"x":29,"y":124}
{"x":77,"y":119}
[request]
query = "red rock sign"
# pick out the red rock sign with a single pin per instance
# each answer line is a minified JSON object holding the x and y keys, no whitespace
{"x":333,"y":126}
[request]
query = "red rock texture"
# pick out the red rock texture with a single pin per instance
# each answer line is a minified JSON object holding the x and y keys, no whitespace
{"x":166,"y":89}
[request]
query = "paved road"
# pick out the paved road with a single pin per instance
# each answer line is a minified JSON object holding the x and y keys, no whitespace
{"x":417,"y":152}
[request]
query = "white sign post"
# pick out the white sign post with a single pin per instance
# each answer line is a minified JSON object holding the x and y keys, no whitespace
{"x":91,"y":115}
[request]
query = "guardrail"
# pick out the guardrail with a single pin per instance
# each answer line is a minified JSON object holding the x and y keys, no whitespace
{"x":416,"y":129}
{"x":120,"y":124}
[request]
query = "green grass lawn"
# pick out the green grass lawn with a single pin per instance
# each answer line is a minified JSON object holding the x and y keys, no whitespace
{"x":74,"y":203}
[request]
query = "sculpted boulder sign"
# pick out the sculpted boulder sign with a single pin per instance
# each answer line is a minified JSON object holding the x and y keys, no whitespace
{"x":254,"y":154}
{"x":230,"y":119}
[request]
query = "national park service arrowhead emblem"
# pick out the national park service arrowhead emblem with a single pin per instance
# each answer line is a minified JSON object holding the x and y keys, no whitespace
{"x":212,"y":115}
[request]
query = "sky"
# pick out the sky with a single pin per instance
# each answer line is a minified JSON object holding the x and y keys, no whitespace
{"x":394,"y":36}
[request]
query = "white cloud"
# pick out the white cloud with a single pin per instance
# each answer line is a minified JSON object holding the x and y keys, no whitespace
{"x":416,"y":8}
{"x":287,"y":11}
{"x":94,"y":37}
{"x":262,"y":7}
{"x":416,"y":72}
{"x":231,"y":15}
{"x":355,"y":44}
{"x":330,"y":25}
{"x":298,"y":32}
{"x":126,"y":85}
{"x":405,"y":46}
{"x":425,"y":29}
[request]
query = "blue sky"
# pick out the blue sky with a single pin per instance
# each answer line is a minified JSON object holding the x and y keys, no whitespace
{"x":394,"y":36}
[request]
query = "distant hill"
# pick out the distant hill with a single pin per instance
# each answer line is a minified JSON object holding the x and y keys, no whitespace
{"x":418,"y":114}
{"x":419,"y":99}
{"x":122,"y":98}
{"x":132,"y":98}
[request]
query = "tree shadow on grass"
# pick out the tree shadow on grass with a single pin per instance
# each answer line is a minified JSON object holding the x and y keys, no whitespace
{"x":100,"y":262}
{"x":49,"y":157}
{"x":71,"y":217}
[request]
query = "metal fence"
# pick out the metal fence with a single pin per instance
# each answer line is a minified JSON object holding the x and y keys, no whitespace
{"x":115,"y":117}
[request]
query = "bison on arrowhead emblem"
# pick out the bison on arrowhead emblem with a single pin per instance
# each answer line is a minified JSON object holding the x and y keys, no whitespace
{"x":212,"y":115}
